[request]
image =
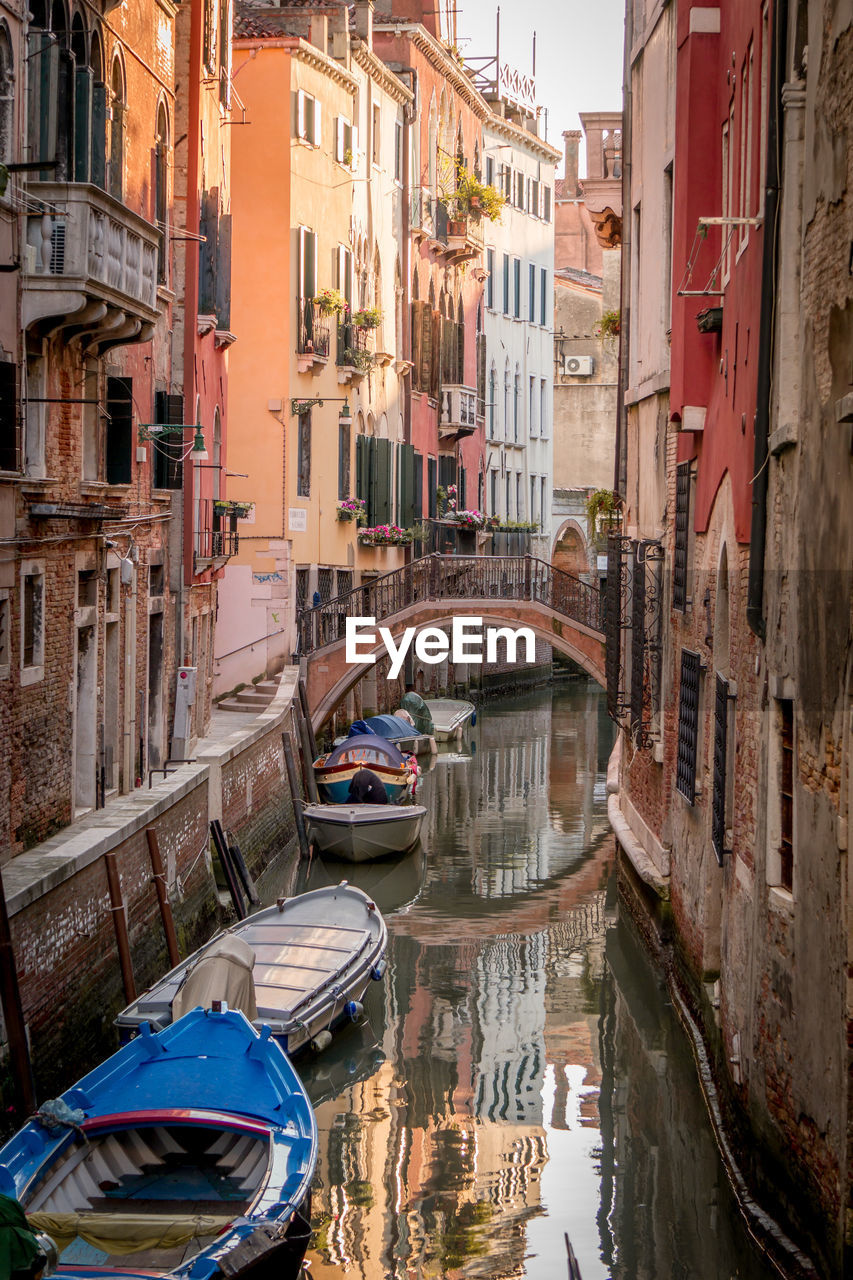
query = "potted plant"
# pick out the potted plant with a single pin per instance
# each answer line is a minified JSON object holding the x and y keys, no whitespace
{"x":472,"y":519}
{"x":367,"y":318}
{"x":241,"y":509}
{"x":609,"y":325}
{"x":330,"y":302}
{"x":602,"y":513}
{"x":473,"y":199}
{"x":353,"y":509}
{"x":363,"y":361}
{"x":385,"y":535}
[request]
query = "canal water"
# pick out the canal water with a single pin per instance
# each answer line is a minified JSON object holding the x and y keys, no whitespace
{"x":521,"y":1081}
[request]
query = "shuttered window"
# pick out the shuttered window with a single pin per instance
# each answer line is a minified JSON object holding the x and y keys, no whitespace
{"x":308,"y":116}
{"x":638,"y":640}
{"x":344,"y":461}
{"x":405,"y":485}
{"x":546,"y":203}
{"x":373,"y":461}
{"x":506,"y":303}
{"x":168,"y":449}
{"x":688,"y":725}
{"x":418,"y":486}
{"x":721,"y":768}
{"x":307,"y":263}
{"x":346,"y":142}
{"x":543,"y":296}
{"x":303,"y":458}
{"x":432,"y":487}
{"x":8,"y":417}
{"x":786,"y":794}
{"x":516,"y":287}
{"x":490,"y":278}
{"x":531,"y":293}
{"x":119,"y":430}
{"x":682,"y":535}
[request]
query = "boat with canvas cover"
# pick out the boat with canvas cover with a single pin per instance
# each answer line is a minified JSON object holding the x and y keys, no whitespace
{"x":335,"y":771}
{"x":300,"y":967}
{"x":450,"y":716}
{"x":187,"y":1154}
{"x":361,"y":832}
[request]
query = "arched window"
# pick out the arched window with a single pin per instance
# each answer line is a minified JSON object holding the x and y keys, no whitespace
{"x":507,"y":386}
{"x":115,"y":177}
{"x":432,"y":157}
{"x":7,"y":95}
{"x":493,"y":396}
{"x":161,"y":197}
{"x":398,"y":311}
{"x":460,"y":343}
{"x":516,"y":402}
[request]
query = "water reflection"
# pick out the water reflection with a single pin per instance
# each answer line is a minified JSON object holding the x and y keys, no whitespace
{"x":527,"y":1080}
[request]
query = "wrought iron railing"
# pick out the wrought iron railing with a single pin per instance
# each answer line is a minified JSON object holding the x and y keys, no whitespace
{"x":454,"y":577}
{"x":315,"y":331}
{"x":216,"y":535}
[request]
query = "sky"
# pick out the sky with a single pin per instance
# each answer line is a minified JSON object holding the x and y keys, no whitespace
{"x":578,"y":51}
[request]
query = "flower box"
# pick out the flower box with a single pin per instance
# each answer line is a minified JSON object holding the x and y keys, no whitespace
{"x":385,"y":535}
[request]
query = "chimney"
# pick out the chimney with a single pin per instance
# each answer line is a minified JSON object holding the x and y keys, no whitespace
{"x":364,"y":21}
{"x":572,"y":139}
{"x":320,"y":32}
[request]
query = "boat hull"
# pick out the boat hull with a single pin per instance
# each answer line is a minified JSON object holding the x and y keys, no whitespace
{"x":360,"y":833}
{"x":450,"y":718}
{"x":333,"y":782}
{"x":348,"y":939}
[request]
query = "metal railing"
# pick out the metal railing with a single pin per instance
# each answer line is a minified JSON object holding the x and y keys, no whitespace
{"x":315,"y":330}
{"x":355,"y":346}
{"x":454,"y":577}
{"x":216,"y":537}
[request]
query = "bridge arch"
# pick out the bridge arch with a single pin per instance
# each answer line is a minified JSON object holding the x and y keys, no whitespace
{"x":571,"y":551}
{"x":330,"y":678}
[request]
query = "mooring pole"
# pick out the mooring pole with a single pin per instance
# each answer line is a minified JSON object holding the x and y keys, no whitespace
{"x":163,"y":897}
{"x":307,"y":759}
{"x":120,"y":925}
{"x":293,"y":783}
{"x":13,"y":1013}
{"x":306,"y":712}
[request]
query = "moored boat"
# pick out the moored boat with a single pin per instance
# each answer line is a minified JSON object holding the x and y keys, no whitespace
{"x":450,"y":716}
{"x":187,"y":1153}
{"x":335,"y":771}
{"x":360,"y":832}
{"x":309,"y":960}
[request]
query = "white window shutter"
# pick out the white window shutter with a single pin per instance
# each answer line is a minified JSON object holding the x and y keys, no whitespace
{"x":318,"y":135}
{"x":300,"y":113}
{"x":311,"y":284}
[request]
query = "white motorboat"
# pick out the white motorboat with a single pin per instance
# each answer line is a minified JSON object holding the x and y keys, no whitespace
{"x":449,"y":717}
{"x":300,"y":967}
{"x":359,"y":832}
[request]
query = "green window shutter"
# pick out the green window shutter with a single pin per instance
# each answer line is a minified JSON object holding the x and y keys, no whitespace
{"x":223,"y":273}
{"x":42,"y":104}
{"x":382,"y":486}
{"x":435,"y":371}
{"x":418,"y":483}
{"x":83,"y":124}
{"x":99,"y":135}
{"x":407,"y":485}
{"x":207,"y":253}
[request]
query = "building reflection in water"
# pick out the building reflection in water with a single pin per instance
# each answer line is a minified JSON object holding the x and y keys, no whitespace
{"x":524,"y":1094}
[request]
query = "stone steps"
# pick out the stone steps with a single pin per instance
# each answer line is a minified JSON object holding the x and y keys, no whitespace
{"x":253,"y":698}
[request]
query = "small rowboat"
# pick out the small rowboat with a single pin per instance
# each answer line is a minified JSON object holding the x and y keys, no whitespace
{"x":450,"y":717}
{"x":335,"y":771}
{"x":300,"y":967}
{"x":187,"y":1153}
{"x":360,"y":832}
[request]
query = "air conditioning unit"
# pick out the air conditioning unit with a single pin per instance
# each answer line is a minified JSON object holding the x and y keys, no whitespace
{"x":578,"y":366}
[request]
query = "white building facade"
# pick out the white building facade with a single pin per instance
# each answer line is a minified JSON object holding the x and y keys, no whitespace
{"x":519,"y":292}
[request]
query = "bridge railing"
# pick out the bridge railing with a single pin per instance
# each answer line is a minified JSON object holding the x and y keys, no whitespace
{"x":437,"y":577}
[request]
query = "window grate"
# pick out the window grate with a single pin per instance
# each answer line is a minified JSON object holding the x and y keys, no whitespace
{"x":301,"y":589}
{"x":613,"y":623}
{"x":57,"y":248}
{"x":786,"y":795}
{"x":688,"y":725}
{"x":682,"y":531}
{"x":638,"y":636}
{"x":325,"y":581}
{"x":718,"y":799}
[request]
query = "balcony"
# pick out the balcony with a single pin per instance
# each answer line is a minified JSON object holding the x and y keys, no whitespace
{"x":355,"y":357}
{"x":215,"y":538}
{"x":421,"y":215}
{"x":90,"y":267}
{"x":458,"y":238}
{"x":457,"y":413}
{"x":314,"y":337}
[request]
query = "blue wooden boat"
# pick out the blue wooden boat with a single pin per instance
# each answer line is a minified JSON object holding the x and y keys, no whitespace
{"x":335,"y":771}
{"x":193,"y":1159}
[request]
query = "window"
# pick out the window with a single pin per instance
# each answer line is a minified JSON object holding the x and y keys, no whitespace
{"x":688,"y":725}
{"x":519,"y":508}
{"x":546,"y":203}
{"x":8,"y":417}
{"x":490,"y":171}
{"x":5,"y":633}
{"x":721,"y":767}
{"x":119,"y":433}
{"x":508,"y":496}
{"x":161,"y":194}
{"x":506,"y":284}
{"x":519,"y":191}
{"x":32,"y":621}
{"x":490,"y":278}
{"x":532,"y":508}
{"x":432,"y":488}
{"x":516,"y":404}
{"x":507,"y":386}
{"x":533,"y":204}
{"x":745,"y":146}
{"x":543,"y":407}
{"x":306,"y":267}
{"x":303,"y":458}
{"x":543,"y":489}
{"x":506,"y":181}
{"x":786,"y":793}
{"x":728,"y":174}
{"x":7,"y":98}
{"x":493,"y":493}
{"x":346,"y":142}
{"x":343,"y":281}
{"x":531,"y":293}
{"x":398,"y":152}
{"x":115,"y":177}
{"x":376,"y":136}
{"x":531,"y":406}
{"x":226,"y":26}
{"x":543,"y":296}
{"x":516,"y":282}
{"x":682,"y":534}
{"x":419,"y":487}
{"x":343,"y":461}
{"x":168,"y":449}
{"x":308,"y":116}
{"x":492,"y":405}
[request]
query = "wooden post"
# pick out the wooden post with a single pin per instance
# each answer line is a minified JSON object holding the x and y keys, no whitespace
{"x":221,"y":846}
{"x":163,"y":897}
{"x":13,"y":1014}
{"x":306,"y":712}
{"x":293,"y":783}
{"x":307,"y":761}
{"x":120,"y":926}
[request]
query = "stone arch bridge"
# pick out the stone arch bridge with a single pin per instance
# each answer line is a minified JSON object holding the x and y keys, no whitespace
{"x":512,"y":591}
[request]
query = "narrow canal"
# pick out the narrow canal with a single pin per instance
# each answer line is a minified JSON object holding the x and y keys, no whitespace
{"x":522,"y":1079}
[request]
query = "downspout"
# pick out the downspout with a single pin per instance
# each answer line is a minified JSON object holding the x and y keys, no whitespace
{"x":191,"y":269}
{"x":620,"y":462}
{"x":409,"y":117}
{"x":769,"y":263}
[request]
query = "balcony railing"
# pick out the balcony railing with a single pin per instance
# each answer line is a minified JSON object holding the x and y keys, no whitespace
{"x":355,"y":347}
{"x":315,"y":331}
{"x":216,"y":536}
{"x":92,"y":260}
{"x":457,"y":413}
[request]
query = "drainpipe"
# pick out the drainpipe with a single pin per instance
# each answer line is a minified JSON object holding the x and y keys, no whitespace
{"x":769,"y":266}
{"x":620,"y":462}
{"x":409,"y":118}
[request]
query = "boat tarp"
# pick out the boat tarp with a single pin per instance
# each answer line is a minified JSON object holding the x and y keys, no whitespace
{"x":223,"y":972}
{"x":390,"y":727}
{"x":365,"y":742}
{"x":18,"y":1247}
{"x":124,"y":1233}
{"x":418,"y":710}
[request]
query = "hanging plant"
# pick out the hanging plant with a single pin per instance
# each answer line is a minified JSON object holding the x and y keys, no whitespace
{"x":609,"y":326}
{"x":353,"y":509}
{"x":330,"y":302}
{"x":602,"y":507}
{"x":367,"y":318}
{"x":363,"y":361}
{"x":472,"y":198}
